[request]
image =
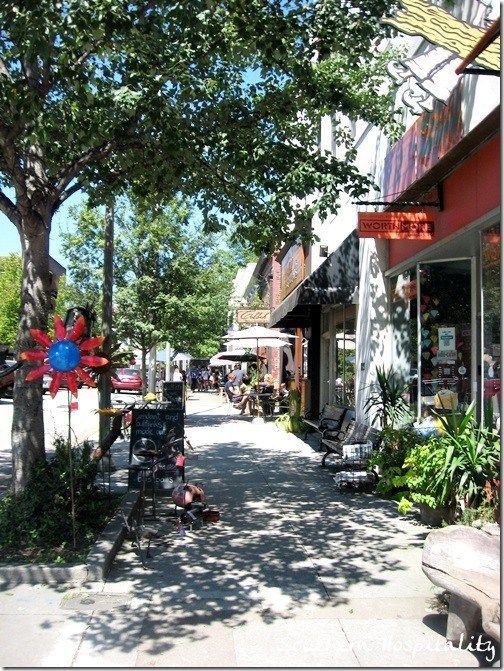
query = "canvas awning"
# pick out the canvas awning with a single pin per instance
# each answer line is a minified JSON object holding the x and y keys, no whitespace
{"x":333,"y":282}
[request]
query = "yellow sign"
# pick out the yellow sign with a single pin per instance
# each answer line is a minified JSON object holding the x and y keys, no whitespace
{"x":253,"y":316}
{"x":437,"y":26}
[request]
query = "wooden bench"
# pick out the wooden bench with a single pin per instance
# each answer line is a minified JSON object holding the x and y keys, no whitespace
{"x":466,"y":562}
{"x":330,"y":420}
{"x":351,"y":433}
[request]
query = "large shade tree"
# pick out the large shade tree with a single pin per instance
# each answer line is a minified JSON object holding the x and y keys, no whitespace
{"x":218,"y":99}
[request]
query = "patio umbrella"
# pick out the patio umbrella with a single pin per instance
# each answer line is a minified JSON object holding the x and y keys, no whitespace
{"x":257,"y":333}
{"x":260,"y":336}
{"x":219,"y":360}
{"x":230,"y":357}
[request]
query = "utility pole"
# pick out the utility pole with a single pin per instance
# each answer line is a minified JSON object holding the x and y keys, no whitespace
{"x":104,"y":385}
{"x":151,"y":386}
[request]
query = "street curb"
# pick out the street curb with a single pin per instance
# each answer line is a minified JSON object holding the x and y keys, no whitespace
{"x":98,"y":561}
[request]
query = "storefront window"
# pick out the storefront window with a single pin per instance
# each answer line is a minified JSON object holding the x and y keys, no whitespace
{"x":445,"y":336}
{"x":344,"y":353}
{"x":404,"y":323}
{"x":490,"y":275}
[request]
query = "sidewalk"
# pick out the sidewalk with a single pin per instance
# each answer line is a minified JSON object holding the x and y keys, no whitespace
{"x":294,"y":574}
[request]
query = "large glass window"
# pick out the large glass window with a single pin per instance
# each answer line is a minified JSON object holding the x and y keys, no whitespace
{"x":445,"y":335}
{"x":491,"y":297}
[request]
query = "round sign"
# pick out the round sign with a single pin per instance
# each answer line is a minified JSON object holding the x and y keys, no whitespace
{"x":462,"y":370}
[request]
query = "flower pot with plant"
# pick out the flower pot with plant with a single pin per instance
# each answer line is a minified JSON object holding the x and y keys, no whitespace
{"x":455,"y":466}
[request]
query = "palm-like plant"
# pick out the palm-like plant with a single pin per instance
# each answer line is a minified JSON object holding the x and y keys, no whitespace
{"x":472,"y":457}
{"x":387,"y":399}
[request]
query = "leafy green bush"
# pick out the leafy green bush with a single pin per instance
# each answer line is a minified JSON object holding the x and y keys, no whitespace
{"x":396,"y":445}
{"x":291,"y":421}
{"x":472,"y":457}
{"x":458,"y":464}
{"x":37,"y":524}
{"x":422,"y":466}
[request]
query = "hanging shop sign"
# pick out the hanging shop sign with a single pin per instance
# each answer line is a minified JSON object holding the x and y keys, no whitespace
{"x":395,"y":225}
{"x":292,"y":270}
{"x":253,"y":316}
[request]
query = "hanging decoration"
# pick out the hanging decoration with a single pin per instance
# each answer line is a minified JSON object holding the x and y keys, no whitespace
{"x":64,"y":357}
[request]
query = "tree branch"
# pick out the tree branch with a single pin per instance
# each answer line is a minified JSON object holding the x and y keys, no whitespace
{"x":72,"y":169}
{"x":64,"y":195}
{"x":10,"y":210}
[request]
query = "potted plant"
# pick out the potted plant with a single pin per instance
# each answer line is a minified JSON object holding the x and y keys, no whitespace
{"x":395,"y":446}
{"x":455,"y":466}
{"x":435,"y":502}
{"x":472,"y":457}
{"x":387,"y":400}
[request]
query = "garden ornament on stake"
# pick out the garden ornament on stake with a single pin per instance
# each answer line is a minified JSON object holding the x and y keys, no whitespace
{"x":63,"y":358}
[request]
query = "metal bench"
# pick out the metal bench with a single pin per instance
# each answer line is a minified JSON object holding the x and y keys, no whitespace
{"x":351,"y":433}
{"x":329,"y":422}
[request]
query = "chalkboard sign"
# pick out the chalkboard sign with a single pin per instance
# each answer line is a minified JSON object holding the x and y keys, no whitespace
{"x":149,"y":429}
{"x":174,"y":394}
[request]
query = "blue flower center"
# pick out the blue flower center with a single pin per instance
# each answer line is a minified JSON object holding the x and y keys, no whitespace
{"x":64,"y":355}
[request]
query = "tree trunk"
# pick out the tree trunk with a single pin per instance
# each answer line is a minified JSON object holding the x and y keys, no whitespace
{"x":104,"y":384}
{"x":28,"y":418}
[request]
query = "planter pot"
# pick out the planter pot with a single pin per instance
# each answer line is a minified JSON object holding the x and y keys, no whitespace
{"x":434,"y":517}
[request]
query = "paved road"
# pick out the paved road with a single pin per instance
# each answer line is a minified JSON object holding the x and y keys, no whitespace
{"x":84,"y":422}
{"x":295,"y":574}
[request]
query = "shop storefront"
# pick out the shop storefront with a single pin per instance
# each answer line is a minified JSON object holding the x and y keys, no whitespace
{"x":322,"y":310}
{"x":445,"y":296}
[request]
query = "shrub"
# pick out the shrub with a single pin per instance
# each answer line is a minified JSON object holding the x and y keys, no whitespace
{"x":37,"y":523}
{"x":461,"y":463}
{"x":387,"y":399}
{"x":396,"y":445}
{"x":472,"y":457}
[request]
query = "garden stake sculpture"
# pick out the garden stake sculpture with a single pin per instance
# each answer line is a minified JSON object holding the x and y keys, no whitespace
{"x":63,"y":358}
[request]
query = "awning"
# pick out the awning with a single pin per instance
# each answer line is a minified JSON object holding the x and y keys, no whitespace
{"x":333,"y":283}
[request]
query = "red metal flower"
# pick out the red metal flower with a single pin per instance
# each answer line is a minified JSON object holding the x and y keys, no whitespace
{"x":64,"y":357}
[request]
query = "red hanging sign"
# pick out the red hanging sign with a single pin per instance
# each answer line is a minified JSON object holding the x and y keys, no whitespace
{"x":395,"y":225}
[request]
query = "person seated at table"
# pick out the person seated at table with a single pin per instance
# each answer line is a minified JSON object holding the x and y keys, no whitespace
{"x":268,"y":384}
{"x":241,"y":397}
{"x":229,"y":384}
{"x":282,"y":396}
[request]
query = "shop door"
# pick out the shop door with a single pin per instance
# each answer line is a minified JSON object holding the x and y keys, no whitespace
{"x":445,"y":336}
{"x":325,"y":374}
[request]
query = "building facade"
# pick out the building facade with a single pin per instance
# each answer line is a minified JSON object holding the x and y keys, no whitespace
{"x":424,"y":306}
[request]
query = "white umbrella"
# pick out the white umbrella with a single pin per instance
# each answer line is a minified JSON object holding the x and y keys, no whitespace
{"x":257,"y":332}
{"x":260,"y":336}
{"x":254,"y":343}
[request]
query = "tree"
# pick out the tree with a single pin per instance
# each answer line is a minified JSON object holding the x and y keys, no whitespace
{"x":201,"y":98}
{"x":172,"y":282}
{"x":10,"y":283}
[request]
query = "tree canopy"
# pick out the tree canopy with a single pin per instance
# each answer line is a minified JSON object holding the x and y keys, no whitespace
{"x":171,"y":281}
{"x":219,"y":100}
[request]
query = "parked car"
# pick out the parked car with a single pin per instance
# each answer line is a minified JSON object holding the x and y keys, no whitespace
{"x":7,"y":382}
{"x":46,"y":381}
{"x":126,"y":379}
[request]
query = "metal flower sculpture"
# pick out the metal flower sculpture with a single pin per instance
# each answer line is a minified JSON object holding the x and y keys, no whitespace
{"x":64,"y":357}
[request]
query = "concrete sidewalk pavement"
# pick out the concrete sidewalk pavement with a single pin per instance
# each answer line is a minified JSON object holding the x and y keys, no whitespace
{"x":295,"y":574}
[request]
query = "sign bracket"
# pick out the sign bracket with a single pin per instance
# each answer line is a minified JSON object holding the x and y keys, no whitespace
{"x":399,"y":204}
